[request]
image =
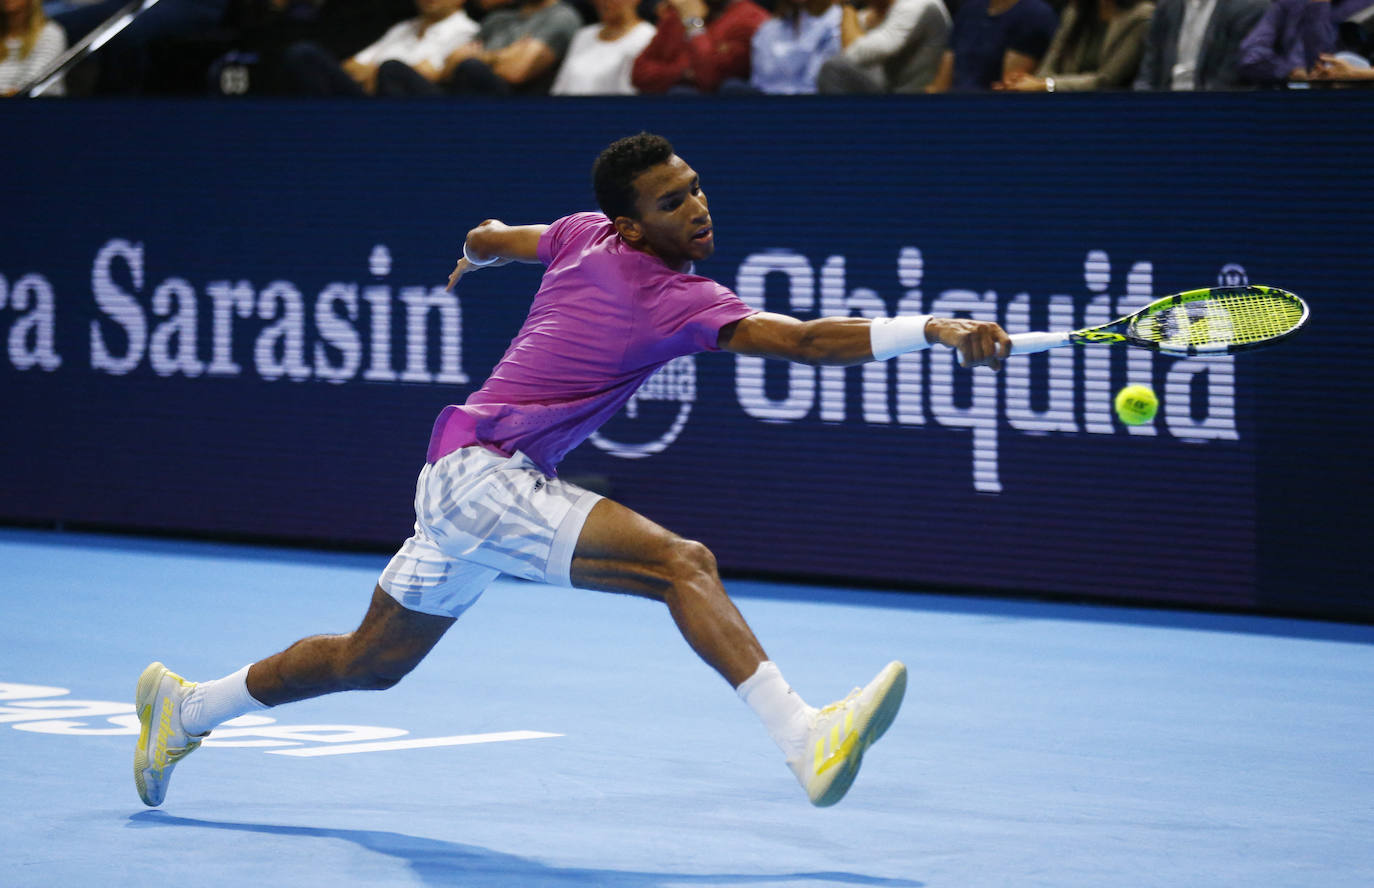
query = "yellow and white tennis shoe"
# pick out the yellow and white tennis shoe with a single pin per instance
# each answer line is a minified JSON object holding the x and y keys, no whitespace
{"x":162,"y":742}
{"x":841,"y":733}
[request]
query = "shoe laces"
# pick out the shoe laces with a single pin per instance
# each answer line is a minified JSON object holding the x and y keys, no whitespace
{"x":839,"y":705}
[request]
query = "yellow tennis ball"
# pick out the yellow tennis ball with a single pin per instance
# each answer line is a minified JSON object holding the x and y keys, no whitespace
{"x":1136,"y":404}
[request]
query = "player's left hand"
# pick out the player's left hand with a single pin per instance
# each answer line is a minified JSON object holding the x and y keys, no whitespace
{"x":459,"y":270}
{"x":980,"y":343}
{"x":464,"y":266}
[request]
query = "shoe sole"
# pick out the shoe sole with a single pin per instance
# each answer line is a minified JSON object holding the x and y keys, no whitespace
{"x":144,"y":699}
{"x":891,"y":703}
{"x":892,"y":690}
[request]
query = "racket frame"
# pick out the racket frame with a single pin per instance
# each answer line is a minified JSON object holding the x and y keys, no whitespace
{"x":1118,"y":332}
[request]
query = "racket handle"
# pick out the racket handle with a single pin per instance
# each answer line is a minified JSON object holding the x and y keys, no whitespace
{"x":1029,"y":343}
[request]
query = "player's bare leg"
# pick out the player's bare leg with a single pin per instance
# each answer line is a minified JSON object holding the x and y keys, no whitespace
{"x":388,"y":644}
{"x":620,"y":550}
{"x":175,"y":714}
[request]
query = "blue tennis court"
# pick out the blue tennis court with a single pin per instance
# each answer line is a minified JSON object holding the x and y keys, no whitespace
{"x":560,"y":737}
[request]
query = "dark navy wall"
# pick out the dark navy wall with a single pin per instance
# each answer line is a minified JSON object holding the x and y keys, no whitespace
{"x":227,"y":318}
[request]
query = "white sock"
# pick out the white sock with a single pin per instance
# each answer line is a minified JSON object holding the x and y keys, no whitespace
{"x":783,"y":712}
{"x":212,"y":703}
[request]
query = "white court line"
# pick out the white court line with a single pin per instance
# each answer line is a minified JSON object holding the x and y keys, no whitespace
{"x":417,"y":743}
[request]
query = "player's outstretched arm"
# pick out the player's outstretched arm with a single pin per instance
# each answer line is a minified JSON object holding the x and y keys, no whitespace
{"x":845,"y":341}
{"x":496,"y":243}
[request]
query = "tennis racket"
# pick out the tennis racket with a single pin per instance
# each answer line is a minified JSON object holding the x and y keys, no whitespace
{"x":1210,"y":321}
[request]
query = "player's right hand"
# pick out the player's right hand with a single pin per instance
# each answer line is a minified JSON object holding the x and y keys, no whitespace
{"x":980,"y":343}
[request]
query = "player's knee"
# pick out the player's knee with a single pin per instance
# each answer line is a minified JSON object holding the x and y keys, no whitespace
{"x":371,"y":673}
{"x":367,"y":679}
{"x":691,"y":561}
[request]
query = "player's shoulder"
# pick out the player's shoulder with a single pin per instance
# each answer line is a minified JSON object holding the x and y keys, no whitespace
{"x":578,"y":227}
{"x":582,"y":221}
{"x":687,"y":285}
{"x":588,"y":217}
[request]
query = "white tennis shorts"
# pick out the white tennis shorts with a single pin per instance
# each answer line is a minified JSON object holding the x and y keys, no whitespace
{"x":478,"y":515}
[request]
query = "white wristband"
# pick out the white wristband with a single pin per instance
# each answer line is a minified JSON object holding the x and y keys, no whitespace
{"x":478,"y":263}
{"x":889,"y":337}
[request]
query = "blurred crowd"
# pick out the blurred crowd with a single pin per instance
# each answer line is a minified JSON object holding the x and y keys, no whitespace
{"x":625,"y":47}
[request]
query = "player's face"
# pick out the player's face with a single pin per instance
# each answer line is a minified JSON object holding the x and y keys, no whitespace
{"x":674,"y":223}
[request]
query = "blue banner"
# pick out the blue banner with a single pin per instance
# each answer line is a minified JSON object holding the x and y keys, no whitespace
{"x":229,"y":319}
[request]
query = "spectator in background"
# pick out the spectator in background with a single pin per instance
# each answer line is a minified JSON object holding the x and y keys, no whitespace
{"x":31,"y":44}
{"x":601,"y":55}
{"x":125,"y":63}
{"x":422,"y":43}
{"x":1357,"y":33}
{"x":168,"y":48}
{"x":1290,"y":38}
{"x":698,"y":45}
{"x":892,"y":46}
{"x":1097,"y":46}
{"x":1195,"y":44}
{"x":993,"y":41}
{"x":257,"y":34}
{"x":1344,"y":66}
{"x":788,"y":50}
{"x":517,"y":51}
{"x":1352,"y":63}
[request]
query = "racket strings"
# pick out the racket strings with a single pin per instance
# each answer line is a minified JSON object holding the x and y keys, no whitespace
{"x":1221,"y":319}
{"x":1259,"y":316}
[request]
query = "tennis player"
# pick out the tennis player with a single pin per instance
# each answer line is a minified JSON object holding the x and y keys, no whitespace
{"x":619,"y":299}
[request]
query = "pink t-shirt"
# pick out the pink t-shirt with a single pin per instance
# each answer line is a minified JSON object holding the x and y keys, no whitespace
{"x":605,"y":318}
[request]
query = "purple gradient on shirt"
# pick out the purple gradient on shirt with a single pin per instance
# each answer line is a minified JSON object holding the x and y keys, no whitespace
{"x":605,"y":318}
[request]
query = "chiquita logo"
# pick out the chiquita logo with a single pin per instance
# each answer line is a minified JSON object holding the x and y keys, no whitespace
{"x":655,"y":415}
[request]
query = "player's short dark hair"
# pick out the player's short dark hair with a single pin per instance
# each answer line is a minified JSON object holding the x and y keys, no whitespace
{"x":613,"y":174}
